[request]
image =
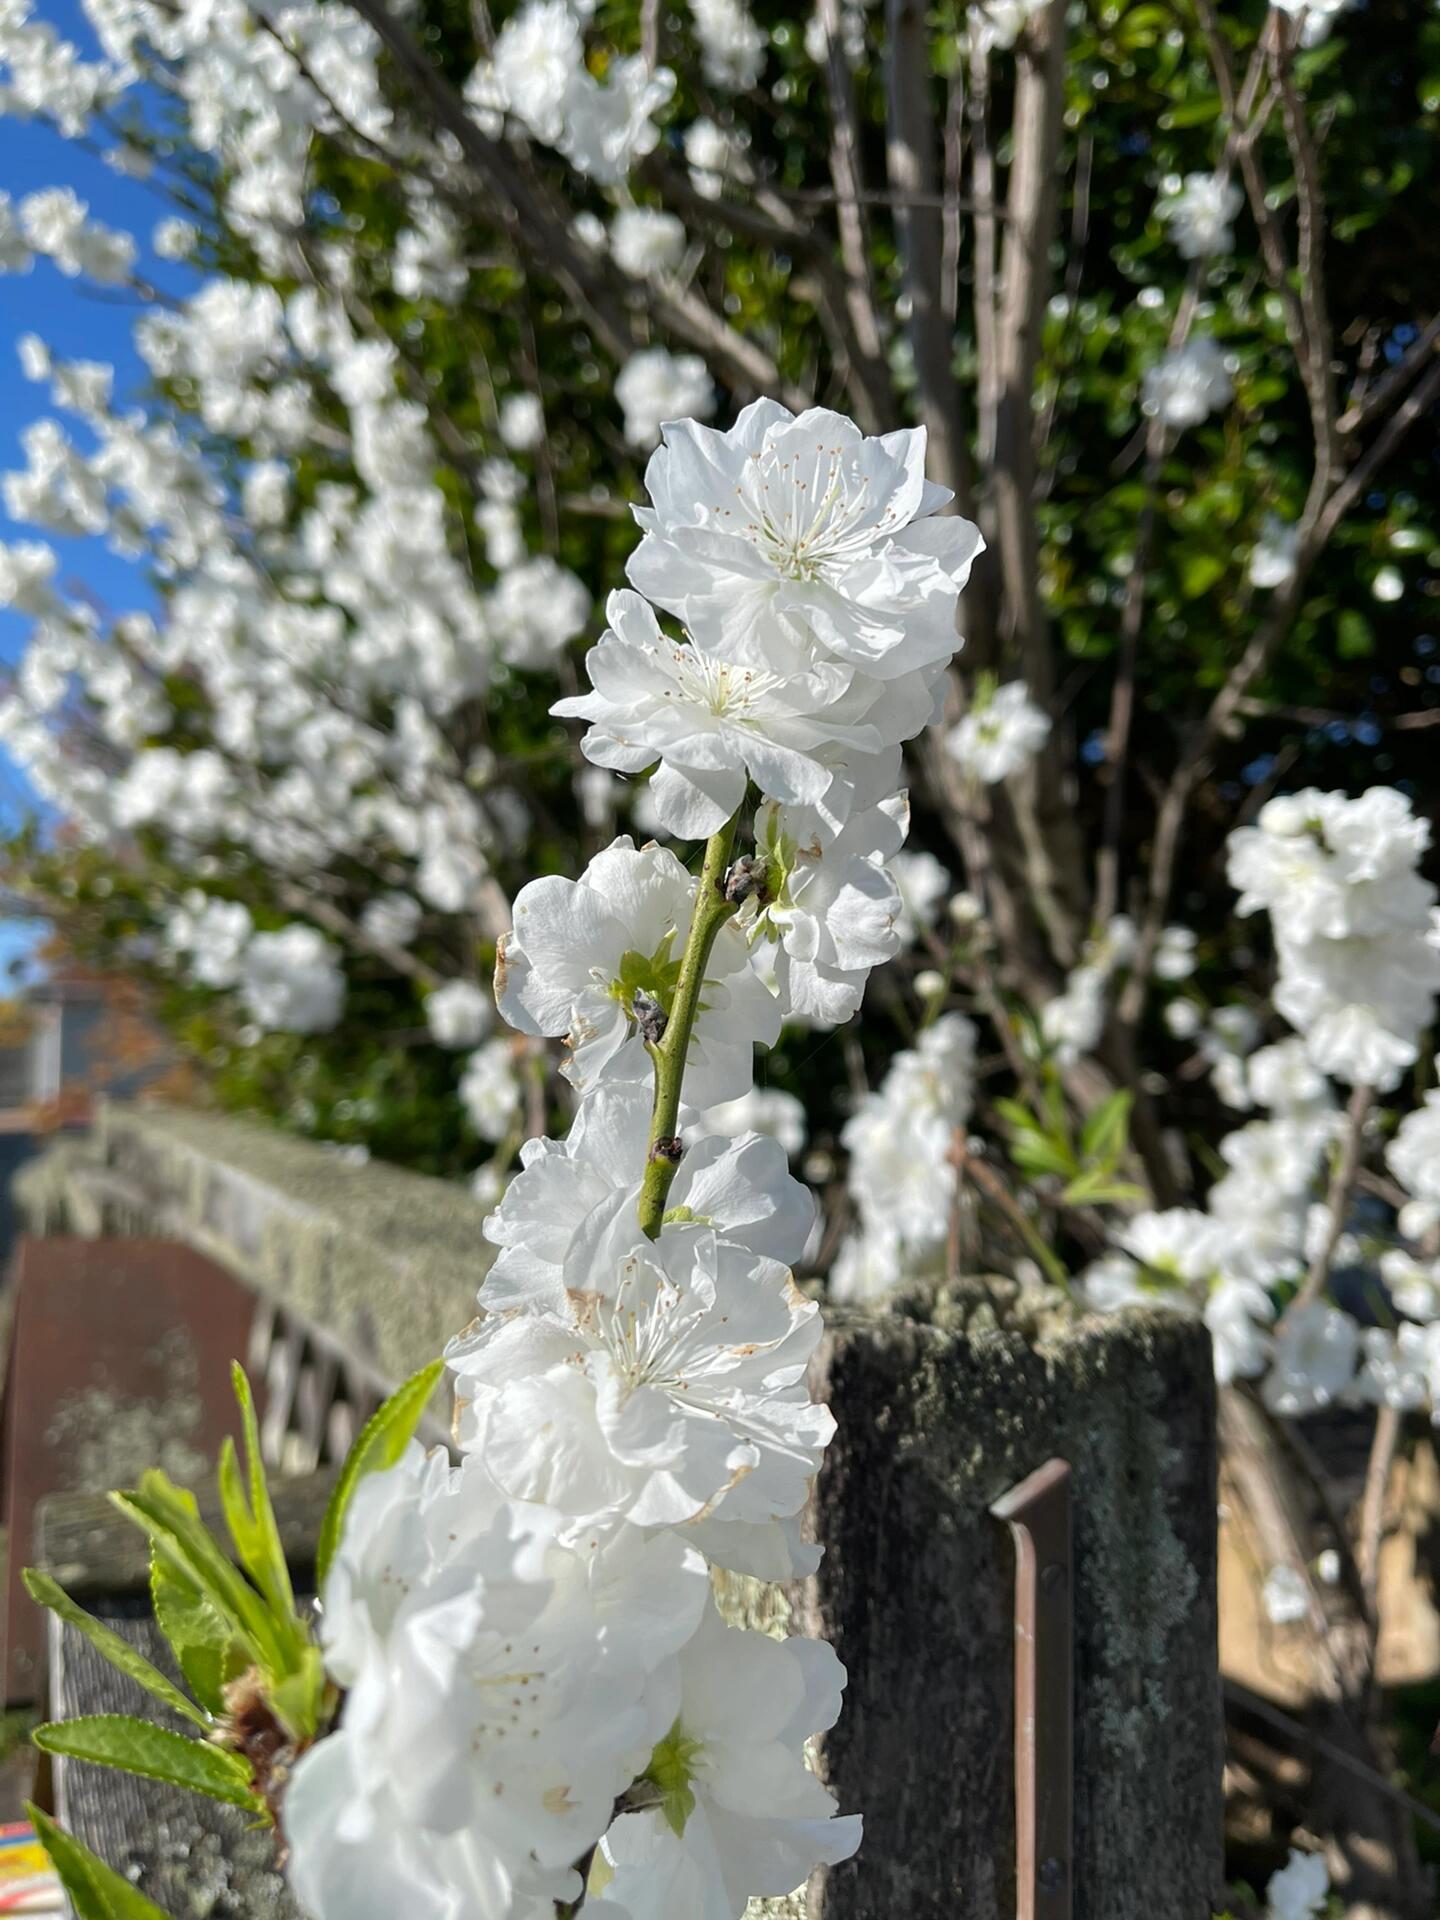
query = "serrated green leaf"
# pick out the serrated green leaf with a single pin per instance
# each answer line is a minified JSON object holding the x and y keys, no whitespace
{"x":1104,"y":1134}
{"x":161,"y":1510}
{"x":1098,"y":1187}
{"x":265,"y":1562}
{"x":201,"y":1639}
{"x":119,"y":1652}
{"x":97,"y":1892}
{"x":380,"y":1443}
{"x":154,"y":1753}
{"x":1016,"y":1114}
{"x":299,"y":1699}
{"x":1034,"y":1154}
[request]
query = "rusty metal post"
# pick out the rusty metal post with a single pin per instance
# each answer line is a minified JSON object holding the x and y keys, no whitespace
{"x":1037,"y":1512}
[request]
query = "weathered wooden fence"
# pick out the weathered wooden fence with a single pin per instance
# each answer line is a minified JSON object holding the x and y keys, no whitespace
{"x":945,"y":1402}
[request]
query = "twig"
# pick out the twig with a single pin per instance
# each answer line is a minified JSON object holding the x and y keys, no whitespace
{"x":845,"y":165}
{"x":1372,"y":1506}
{"x":330,"y":916}
{"x":1364,"y":410}
{"x":1244,"y":1701}
{"x":910,"y":162}
{"x":1122,"y":697}
{"x":1337,"y":1200}
{"x":995,"y":1189}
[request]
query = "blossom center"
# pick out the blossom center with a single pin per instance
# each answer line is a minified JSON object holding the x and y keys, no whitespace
{"x":809,"y":518}
{"x":722,"y":688}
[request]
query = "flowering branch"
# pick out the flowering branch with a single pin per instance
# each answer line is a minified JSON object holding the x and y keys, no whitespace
{"x":671,"y":1050}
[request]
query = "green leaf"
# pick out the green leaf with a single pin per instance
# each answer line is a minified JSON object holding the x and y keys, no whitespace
{"x":154,"y":1753}
{"x":380,"y":1443}
{"x":1035,"y":1155}
{"x":1355,"y":637}
{"x":263,"y":1557}
{"x":202,"y":1640}
{"x":96,"y":1891}
{"x":299,"y":1699}
{"x":1199,"y":572}
{"x":1017,"y":1115}
{"x":1104,"y":1134}
{"x":119,"y":1652}
{"x":169,"y":1516}
{"x":1098,"y":1187}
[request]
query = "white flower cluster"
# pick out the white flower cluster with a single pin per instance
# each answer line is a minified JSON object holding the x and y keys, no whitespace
{"x":1358,"y":976}
{"x":533,"y":1660}
{"x":903,"y":1178}
{"x":1073,"y":1021}
{"x":1354,"y":924}
{"x":1199,"y":211}
{"x":538,"y":76}
{"x":1188,"y":384}
{"x":1001,"y":733}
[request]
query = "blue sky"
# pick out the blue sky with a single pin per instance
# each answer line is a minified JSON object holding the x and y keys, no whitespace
{"x":76,"y":322}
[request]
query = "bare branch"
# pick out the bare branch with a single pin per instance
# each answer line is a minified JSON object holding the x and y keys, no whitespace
{"x":1338,"y":1198}
{"x":910,"y":159}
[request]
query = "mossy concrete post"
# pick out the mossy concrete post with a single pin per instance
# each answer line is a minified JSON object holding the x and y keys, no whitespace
{"x":943,"y":1404}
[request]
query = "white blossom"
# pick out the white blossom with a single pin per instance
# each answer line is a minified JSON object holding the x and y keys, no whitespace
{"x":714,"y":157}
{"x":667,"y":1390}
{"x":1397,"y":1368}
{"x":646,"y":243}
{"x":503,"y":1684}
{"x":999,"y":23}
{"x":1314,"y":19}
{"x":765,"y":1110}
{"x":1199,"y":213}
{"x":212,"y":935}
{"x":999,"y":735}
{"x":1174,"y":954}
{"x":459,"y":1013}
{"x":803,"y":524}
{"x":1315,"y":1355}
{"x":656,"y":386}
{"x":1285,"y":1596}
{"x":1298,"y":1890}
{"x":712,"y":723}
{"x":291,"y":982}
{"x":732,"y":45}
{"x":902,"y":1175}
{"x":1189,"y":384}
{"x":570,"y":1193}
{"x":391,"y":920}
{"x":923,"y":883}
{"x":589,"y":958}
{"x":1273,"y":557}
{"x":522,"y":421}
{"x":490,"y":1090}
{"x":747,"y":1706}
{"x":831,"y":902}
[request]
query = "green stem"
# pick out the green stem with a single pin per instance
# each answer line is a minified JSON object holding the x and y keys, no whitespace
{"x":711,"y":911}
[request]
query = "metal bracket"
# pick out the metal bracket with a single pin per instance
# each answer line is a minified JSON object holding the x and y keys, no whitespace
{"x":1037,"y":1512}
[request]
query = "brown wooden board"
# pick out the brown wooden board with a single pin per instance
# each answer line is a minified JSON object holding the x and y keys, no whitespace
{"x":120,"y":1359}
